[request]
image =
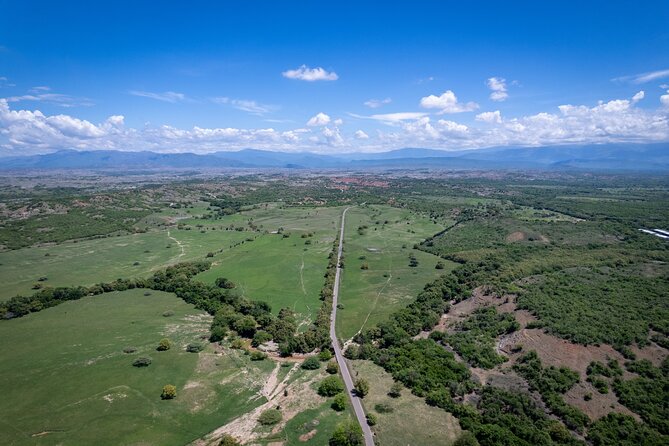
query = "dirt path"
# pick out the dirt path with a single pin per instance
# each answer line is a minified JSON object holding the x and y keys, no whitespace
{"x":302,"y":276}
{"x":183,"y":252}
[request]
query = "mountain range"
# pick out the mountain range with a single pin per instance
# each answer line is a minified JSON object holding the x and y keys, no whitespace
{"x":615,"y":157}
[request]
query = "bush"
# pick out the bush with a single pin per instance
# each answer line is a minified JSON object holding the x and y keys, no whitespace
{"x":311,"y":363}
{"x":169,"y":392}
{"x":229,"y":440}
{"x":168,"y":313}
{"x":325,"y":355}
{"x":164,"y":345}
{"x":260,"y":338}
{"x":270,"y":417}
{"x":347,"y":433}
{"x":396,"y":390}
{"x":383,"y":408}
{"x":194,"y":347}
{"x":258,"y":356}
{"x":361,"y":387}
{"x":332,"y":368}
{"x":129,"y":350}
{"x":371,"y":419}
{"x":141,"y":362}
{"x":339,"y":402}
{"x":466,"y":439}
{"x":330,"y":386}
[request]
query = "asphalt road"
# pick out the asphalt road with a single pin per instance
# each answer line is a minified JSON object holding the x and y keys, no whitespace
{"x":345,"y":373}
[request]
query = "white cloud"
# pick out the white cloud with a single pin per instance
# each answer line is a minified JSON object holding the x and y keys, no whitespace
{"x":333,"y":137}
{"x":246,"y":105}
{"x":664,"y":86}
{"x":4,"y":82}
{"x":643,"y":78}
{"x":498,"y":87}
{"x":338,"y":121}
{"x":392,"y":118}
{"x":376,"y":103}
{"x":62,"y":100}
{"x":319,"y":120}
{"x":168,"y":96}
{"x":447,"y":103}
{"x":491,"y":117}
{"x":305,"y":73}
{"x":639,"y":96}
{"x":359,"y":134}
{"x":664,"y":99}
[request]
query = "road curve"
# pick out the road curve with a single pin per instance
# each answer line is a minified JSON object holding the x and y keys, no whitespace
{"x":343,"y":367}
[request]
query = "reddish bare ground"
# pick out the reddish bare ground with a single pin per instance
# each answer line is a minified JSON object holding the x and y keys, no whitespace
{"x":516,"y":236}
{"x":600,"y":404}
{"x":654,"y":353}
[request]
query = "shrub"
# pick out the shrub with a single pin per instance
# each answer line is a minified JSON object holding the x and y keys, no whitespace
{"x":168,"y":313}
{"x":258,"y":356}
{"x":325,"y":355}
{"x":361,"y":387}
{"x":229,"y":440}
{"x":129,"y":350}
{"x":270,"y":417}
{"x":194,"y":347}
{"x":395,"y":390}
{"x":332,"y":368}
{"x":383,"y":408}
{"x":440,"y":265}
{"x":237,"y":344}
{"x":169,"y":392}
{"x":261,"y":337}
{"x":466,"y":439}
{"x":371,"y":419}
{"x":330,"y":386}
{"x":164,"y":345}
{"x":347,"y":433}
{"x":339,"y":402}
{"x":141,"y":362}
{"x":311,"y":363}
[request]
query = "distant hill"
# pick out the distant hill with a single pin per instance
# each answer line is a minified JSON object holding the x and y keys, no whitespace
{"x":637,"y":157}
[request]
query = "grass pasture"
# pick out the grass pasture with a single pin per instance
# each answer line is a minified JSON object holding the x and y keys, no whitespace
{"x":411,"y":422}
{"x":370,"y":295}
{"x":283,"y":271}
{"x":65,"y":379}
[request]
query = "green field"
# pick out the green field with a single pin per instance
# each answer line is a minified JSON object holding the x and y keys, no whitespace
{"x":65,"y":379}
{"x":370,"y":296}
{"x":411,"y":421}
{"x":284,"y":271}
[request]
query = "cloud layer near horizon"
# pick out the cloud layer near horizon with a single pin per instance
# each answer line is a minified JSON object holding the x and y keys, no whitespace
{"x":620,"y":120}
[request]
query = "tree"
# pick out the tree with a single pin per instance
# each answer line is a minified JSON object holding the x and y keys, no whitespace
{"x":246,"y":326}
{"x":194,"y":347}
{"x":332,"y":368}
{"x":339,"y":402}
{"x":361,"y":387}
{"x":229,"y":440}
{"x":270,"y":417}
{"x":347,"y":433}
{"x":169,"y":392}
{"x":371,"y":419}
{"x":330,"y":386}
{"x":311,"y":363}
{"x":466,"y":439}
{"x":325,"y":355}
{"x":142,"y":362}
{"x":224,"y":283}
{"x":164,"y":345}
{"x":396,"y":390}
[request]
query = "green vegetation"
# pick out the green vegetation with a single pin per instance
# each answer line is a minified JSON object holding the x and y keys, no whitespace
{"x":347,"y":433}
{"x":270,"y":417}
{"x":169,"y":392}
{"x":330,"y":386}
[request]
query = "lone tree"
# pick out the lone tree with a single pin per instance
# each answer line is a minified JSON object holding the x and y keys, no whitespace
{"x":164,"y":344}
{"x":330,"y":386}
{"x":169,"y":392}
{"x":347,"y":433}
{"x":361,"y":387}
{"x":332,"y":368}
{"x":311,"y":363}
{"x":270,"y":417}
{"x":142,"y":362}
{"x":339,"y":402}
{"x":395,"y":390}
{"x":229,"y":440}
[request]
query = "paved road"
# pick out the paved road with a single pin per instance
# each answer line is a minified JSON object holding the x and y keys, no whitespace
{"x":346,"y":374}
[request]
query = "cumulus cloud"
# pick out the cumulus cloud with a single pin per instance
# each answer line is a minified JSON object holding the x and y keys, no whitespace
{"x":664,"y":99}
{"x":618,"y":120}
{"x":304,"y":73}
{"x":492,"y":117}
{"x":359,"y":134}
{"x":246,"y":105}
{"x":639,"y":96}
{"x":498,"y":87}
{"x":643,"y":78}
{"x":447,"y":103}
{"x":319,"y":120}
{"x":168,"y":96}
{"x":376,"y":103}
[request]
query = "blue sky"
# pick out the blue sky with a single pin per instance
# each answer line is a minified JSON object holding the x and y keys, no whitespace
{"x":330,"y":77}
